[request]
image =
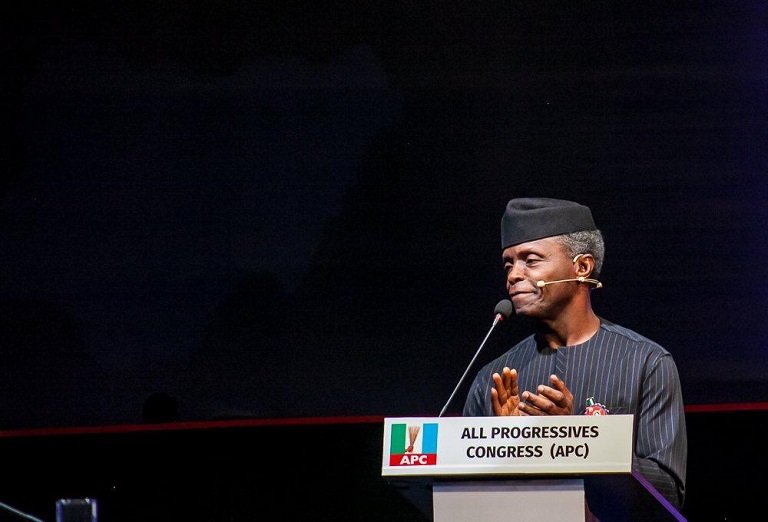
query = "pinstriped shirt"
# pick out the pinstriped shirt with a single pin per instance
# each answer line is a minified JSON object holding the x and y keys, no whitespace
{"x":624,"y":371}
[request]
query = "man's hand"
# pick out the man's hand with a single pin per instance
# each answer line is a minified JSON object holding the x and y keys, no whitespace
{"x":504,"y":394}
{"x":554,"y":400}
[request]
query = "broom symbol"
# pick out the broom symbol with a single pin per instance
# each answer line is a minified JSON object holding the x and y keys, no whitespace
{"x":413,"y":432}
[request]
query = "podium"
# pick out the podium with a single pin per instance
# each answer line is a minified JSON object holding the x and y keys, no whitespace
{"x":551,"y":468}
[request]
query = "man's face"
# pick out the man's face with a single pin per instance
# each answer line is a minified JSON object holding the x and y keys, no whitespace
{"x":540,"y":260}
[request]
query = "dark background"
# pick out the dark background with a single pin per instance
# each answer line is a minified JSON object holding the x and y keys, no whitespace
{"x":221,"y":209}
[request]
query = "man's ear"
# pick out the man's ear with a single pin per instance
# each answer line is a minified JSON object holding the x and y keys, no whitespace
{"x":584,"y":265}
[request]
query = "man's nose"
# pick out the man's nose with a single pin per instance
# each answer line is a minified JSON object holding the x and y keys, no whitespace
{"x":515,"y":273}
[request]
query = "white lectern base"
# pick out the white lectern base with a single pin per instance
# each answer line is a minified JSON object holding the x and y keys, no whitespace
{"x":540,"y":500}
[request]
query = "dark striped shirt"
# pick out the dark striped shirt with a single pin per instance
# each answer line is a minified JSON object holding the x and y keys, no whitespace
{"x":624,"y":371}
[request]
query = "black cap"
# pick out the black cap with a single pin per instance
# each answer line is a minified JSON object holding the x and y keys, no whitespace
{"x":527,"y":219}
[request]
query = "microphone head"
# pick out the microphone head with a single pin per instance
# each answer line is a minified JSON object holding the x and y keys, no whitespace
{"x":541,"y":284}
{"x":504,"y":308}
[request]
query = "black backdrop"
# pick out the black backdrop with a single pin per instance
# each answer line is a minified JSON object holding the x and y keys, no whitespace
{"x":222,"y":209}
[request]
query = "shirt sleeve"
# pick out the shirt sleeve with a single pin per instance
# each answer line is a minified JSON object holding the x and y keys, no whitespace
{"x":476,"y":404}
{"x":661,"y":447}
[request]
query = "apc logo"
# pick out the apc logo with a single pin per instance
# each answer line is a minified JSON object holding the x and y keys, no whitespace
{"x":413,"y":445}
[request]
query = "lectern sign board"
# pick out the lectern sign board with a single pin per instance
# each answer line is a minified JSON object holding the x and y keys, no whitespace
{"x":547,"y":445}
{"x":567,"y":468}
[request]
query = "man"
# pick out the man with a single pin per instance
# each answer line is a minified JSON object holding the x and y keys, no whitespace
{"x":552,"y":253}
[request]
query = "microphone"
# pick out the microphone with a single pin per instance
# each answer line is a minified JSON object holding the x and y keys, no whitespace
{"x":582,"y":279}
{"x":503,"y":310}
